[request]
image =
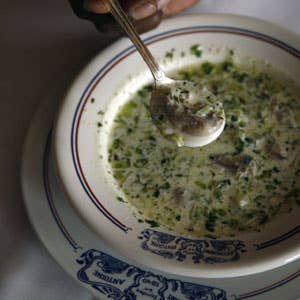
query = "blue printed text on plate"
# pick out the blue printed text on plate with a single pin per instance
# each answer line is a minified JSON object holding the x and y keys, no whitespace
{"x":179,"y":248}
{"x":120,"y":281}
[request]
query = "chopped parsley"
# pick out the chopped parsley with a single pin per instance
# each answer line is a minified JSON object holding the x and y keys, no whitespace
{"x":195,"y":50}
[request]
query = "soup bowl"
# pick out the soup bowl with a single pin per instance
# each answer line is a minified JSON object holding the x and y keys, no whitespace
{"x":81,"y":138}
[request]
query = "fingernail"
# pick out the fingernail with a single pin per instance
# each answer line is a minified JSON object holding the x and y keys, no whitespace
{"x":162,"y":3}
{"x":142,"y":9}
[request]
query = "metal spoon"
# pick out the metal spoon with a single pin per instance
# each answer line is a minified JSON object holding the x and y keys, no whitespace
{"x":182,"y":110}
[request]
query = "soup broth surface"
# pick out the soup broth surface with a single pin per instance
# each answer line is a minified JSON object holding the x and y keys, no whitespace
{"x":237,"y":183}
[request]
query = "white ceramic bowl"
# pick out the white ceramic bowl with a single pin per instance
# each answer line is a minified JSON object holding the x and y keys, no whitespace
{"x":110,"y":79}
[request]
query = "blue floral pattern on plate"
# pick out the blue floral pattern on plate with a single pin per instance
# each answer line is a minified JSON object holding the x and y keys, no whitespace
{"x":200,"y":251}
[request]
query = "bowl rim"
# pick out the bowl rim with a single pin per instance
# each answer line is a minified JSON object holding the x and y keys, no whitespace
{"x":67,"y":178}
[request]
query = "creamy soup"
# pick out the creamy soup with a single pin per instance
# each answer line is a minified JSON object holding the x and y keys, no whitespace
{"x":237,"y":183}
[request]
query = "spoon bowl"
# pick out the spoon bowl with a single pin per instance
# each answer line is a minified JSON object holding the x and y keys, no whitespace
{"x":187,"y":112}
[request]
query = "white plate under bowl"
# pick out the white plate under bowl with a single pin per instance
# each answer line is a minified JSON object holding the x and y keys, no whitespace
{"x":99,"y":268}
{"x":104,"y":85}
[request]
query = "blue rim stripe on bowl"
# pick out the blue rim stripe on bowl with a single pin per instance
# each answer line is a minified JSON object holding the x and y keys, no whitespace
{"x":88,"y":90}
{"x":278,"y":239}
{"x":48,"y":193}
{"x":226,"y":29}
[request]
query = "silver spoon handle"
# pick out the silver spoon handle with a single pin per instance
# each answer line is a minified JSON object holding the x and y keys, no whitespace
{"x":120,"y":16}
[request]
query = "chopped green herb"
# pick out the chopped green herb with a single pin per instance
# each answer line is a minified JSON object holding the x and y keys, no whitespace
{"x":169,"y":54}
{"x":247,"y":159}
{"x":153,"y":223}
{"x":227,"y":66}
{"x":196,"y":51}
{"x":178,"y":217}
{"x":211,"y":221}
{"x":207,"y":67}
{"x":120,"y":199}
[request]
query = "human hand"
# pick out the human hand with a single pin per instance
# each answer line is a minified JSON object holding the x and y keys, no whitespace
{"x":144,"y":8}
{"x":145,"y":14}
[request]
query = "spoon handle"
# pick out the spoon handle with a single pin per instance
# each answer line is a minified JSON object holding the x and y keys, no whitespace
{"x":120,"y":16}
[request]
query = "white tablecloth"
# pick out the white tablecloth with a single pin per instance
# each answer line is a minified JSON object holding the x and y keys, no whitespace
{"x":43,"y":45}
